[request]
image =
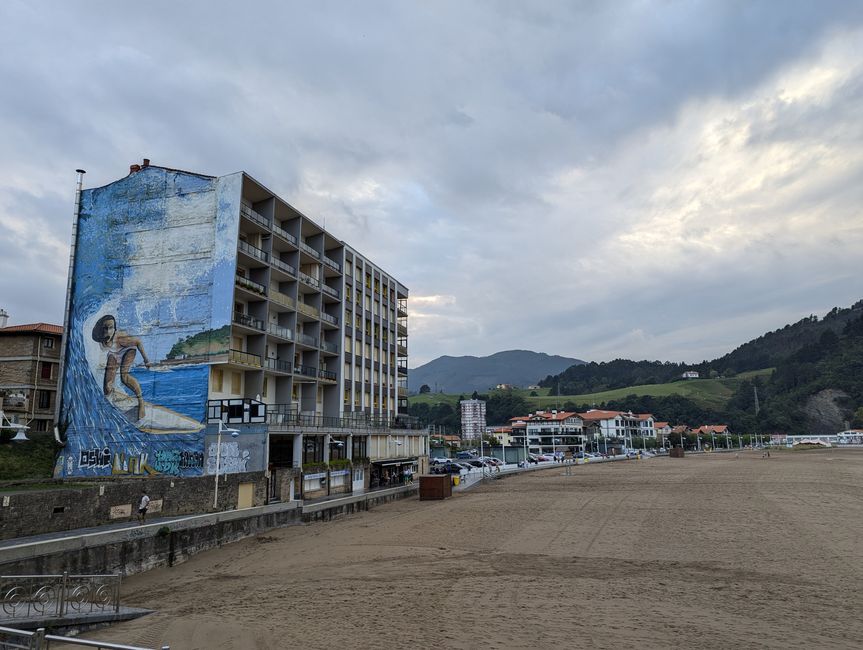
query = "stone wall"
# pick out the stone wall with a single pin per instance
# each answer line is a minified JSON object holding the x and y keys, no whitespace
{"x":88,"y":503}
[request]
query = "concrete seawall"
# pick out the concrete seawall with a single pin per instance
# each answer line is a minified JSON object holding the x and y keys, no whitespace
{"x":134,"y":549}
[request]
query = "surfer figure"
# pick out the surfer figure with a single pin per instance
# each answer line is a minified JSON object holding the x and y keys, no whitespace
{"x":121,"y":349}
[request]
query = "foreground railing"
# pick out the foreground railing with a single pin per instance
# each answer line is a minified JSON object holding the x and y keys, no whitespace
{"x":58,"y":595}
{"x":23,"y":640}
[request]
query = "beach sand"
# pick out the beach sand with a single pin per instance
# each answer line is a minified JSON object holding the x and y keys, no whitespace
{"x":709,"y":551}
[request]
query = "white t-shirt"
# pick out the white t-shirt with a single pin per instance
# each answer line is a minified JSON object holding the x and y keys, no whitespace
{"x":145,"y":501}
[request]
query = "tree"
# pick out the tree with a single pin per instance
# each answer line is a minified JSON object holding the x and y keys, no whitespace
{"x":425,"y":388}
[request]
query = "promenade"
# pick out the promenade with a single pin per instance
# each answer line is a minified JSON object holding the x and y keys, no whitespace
{"x":710,"y":551}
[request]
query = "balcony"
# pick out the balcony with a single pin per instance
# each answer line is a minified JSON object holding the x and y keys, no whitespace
{"x":278,"y":365}
{"x":308,"y":340}
{"x":283,"y":266}
{"x":281,"y":299}
{"x":250,"y":214}
{"x":308,"y":249}
{"x":244,"y":358}
{"x":402,"y":350}
{"x":332,"y":264}
{"x":402,"y":330}
{"x":403,"y":392}
{"x":333,"y":348}
{"x":308,"y":310}
{"x":327,"y":375}
{"x":252,"y":251}
{"x":306,"y":371}
{"x":330,"y":291}
{"x":281,"y":332}
{"x":248,"y":321}
{"x":309,"y":280}
{"x":401,"y":312}
{"x":251,"y":285}
{"x":284,"y":234}
{"x":403,"y":370}
{"x":332,"y":320}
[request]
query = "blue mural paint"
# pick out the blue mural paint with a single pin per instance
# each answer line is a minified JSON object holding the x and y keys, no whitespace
{"x":145,"y":322}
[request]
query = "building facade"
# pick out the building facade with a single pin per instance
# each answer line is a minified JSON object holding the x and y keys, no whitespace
{"x":199,"y":303}
{"x":29,"y":367}
{"x":472,"y":419}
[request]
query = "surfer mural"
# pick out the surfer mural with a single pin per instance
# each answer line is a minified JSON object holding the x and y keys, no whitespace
{"x":149,"y":311}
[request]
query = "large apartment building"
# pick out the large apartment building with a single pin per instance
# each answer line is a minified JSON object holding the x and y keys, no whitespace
{"x":472,"y":418}
{"x":29,"y":367}
{"x":198,"y":303}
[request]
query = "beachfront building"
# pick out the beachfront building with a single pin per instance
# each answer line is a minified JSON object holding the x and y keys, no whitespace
{"x":472,"y":418}
{"x":619,"y":425}
{"x":549,"y":432}
{"x":29,"y":367}
{"x":201,"y":303}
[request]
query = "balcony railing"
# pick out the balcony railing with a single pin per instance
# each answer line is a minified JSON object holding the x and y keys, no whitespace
{"x":332,"y":264}
{"x":254,"y":216}
{"x":248,"y":321}
{"x":244,"y":358}
{"x":402,"y":330}
{"x":52,"y":596}
{"x":287,"y":415}
{"x":251,"y":285}
{"x":252,"y":251}
{"x":282,"y":299}
{"x":330,"y":347}
{"x":333,"y":320}
{"x":308,"y":310}
{"x":402,"y":350}
{"x":278,"y":365}
{"x":281,"y":332}
{"x":306,"y":371}
{"x":309,"y":280}
{"x":311,"y":251}
{"x":284,"y":266}
{"x":284,"y":234}
{"x":401,"y":312}
{"x":306,"y":339}
{"x":329,"y":375}
{"x":330,"y":291}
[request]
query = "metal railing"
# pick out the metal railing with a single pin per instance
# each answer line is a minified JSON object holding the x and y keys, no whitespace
{"x":332,"y":264}
{"x":330,"y":291}
{"x":326,"y":346}
{"x":306,"y":371}
{"x":25,"y":640}
{"x":281,"y":332}
{"x":283,"y":266}
{"x":284,"y":234}
{"x":56,"y":595}
{"x":330,"y":319}
{"x":309,"y":280}
{"x":288,"y":415}
{"x":311,"y":251}
{"x":278,"y":365}
{"x":253,"y":251}
{"x":244,"y":358}
{"x":251,"y":285}
{"x":249,"y":321}
{"x":258,"y":218}
{"x":327,"y":374}
{"x":306,"y":339}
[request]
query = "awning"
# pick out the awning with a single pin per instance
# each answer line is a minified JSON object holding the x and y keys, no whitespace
{"x":394,"y":461}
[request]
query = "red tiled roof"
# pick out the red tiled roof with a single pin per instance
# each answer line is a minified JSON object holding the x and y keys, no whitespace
{"x":596,"y":414}
{"x":42,"y":328}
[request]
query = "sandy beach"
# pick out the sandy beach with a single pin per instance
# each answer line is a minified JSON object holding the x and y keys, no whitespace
{"x":709,"y":551}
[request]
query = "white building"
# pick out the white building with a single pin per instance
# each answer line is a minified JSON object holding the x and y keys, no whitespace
{"x":472,"y":418}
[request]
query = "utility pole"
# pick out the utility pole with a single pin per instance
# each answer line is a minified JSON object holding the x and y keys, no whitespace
{"x":757,"y":409}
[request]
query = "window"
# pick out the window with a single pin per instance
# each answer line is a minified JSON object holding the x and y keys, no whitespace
{"x":47,"y":343}
{"x":266,"y":386}
{"x":44,"y":398}
{"x":218,"y":378}
{"x":236,"y":383}
{"x":46,"y":370}
{"x":313,"y":449}
{"x":359,"y":448}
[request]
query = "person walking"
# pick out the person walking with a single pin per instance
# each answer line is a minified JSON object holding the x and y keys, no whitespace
{"x":142,"y":507}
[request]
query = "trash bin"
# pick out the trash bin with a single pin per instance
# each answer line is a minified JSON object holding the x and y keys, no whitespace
{"x":456,"y":479}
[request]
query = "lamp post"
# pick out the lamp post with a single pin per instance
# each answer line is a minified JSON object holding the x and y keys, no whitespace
{"x":234,"y":433}
{"x":712,"y":440}
{"x":17,"y":427}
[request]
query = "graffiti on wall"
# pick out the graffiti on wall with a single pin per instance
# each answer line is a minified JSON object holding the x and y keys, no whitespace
{"x":148,"y":314}
{"x":231,"y":459}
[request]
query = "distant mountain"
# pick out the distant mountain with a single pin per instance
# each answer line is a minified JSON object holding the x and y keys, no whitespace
{"x":467,"y":374}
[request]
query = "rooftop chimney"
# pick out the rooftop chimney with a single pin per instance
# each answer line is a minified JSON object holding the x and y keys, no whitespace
{"x":4,"y":318}
{"x":146,"y":162}
{"x":134,"y":168}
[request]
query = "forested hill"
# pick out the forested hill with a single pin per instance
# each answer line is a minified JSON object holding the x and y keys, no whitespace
{"x":468,"y":374}
{"x":767,"y":351}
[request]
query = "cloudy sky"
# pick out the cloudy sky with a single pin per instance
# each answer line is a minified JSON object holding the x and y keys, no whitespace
{"x":647,"y":180}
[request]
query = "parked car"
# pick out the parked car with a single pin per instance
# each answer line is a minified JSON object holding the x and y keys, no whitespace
{"x":545,"y":458}
{"x":494,"y":461}
{"x":464,"y":455}
{"x":447,"y":468}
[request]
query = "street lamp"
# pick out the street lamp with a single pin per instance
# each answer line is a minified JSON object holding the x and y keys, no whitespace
{"x":234,"y":433}
{"x":17,"y":427}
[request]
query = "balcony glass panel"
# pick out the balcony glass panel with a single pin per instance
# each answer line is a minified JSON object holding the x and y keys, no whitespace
{"x":306,"y":339}
{"x":330,"y":347}
{"x":248,"y":321}
{"x":284,"y":266}
{"x":309,"y":280}
{"x":308,"y":249}
{"x":332,"y":264}
{"x":254,"y":216}
{"x":245,"y":358}
{"x":282,"y":299}
{"x":330,"y":291}
{"x":330,"y":319}
{"x":248,"y":249}
{"x":278,"y":330}
{"x":284,"y":234}
{"x":251,"y":285}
